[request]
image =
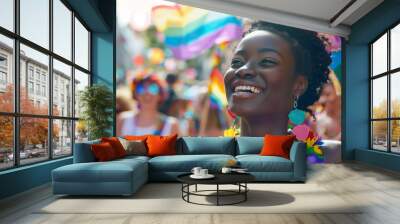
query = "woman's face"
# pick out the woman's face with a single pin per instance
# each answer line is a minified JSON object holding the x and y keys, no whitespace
{"x":148,"y":95}
{"x":261,"y":79}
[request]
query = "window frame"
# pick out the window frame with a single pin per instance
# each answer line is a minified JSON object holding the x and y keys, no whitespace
{"x":388,"y":74}
{"x":16,"y":115}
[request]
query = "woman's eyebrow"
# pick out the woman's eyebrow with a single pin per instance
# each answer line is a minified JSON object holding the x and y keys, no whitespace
{"x":262,"y":50}
{"x":240,"y":52}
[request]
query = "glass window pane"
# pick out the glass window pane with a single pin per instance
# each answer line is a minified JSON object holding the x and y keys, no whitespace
{"x":379,"y":97}
{"x":35,"y":21}
{"x":6,"y":74}
{"x":34,"y":96}
{"x":379,"y":56}
{"x":33,"y":139}
{"x":395,"y":94}
{"x":7,"y":14}
{"x":62,"y":29}
{"x":81,"y":81}
{"x":6,"y":142}
{"x":62,"y":138}
{"x":81,"y":131}
{"x":62,"y":89}
{"x":379,"y":135}
{"x":395,"y":135}
{"x":81,"y":45}
{"x":395,"y":47}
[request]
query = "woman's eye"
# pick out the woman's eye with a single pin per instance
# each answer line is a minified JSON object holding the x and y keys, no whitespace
{"x":236,"y":63}
{"x":267,"y":63}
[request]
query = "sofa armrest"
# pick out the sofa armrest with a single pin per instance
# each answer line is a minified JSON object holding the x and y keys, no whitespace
{"x":298,"y":157}
{"x":83,"y":152}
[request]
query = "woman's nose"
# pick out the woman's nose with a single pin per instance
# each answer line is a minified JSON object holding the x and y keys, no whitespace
{"x":246,"y":71}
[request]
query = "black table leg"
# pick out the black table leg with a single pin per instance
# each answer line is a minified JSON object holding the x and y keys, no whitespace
{"x":245,"y":193}
{"x":188,"y":190}
{"x":182,"y":190}
{"x":217,"y":194}
{"x":196,"y":188}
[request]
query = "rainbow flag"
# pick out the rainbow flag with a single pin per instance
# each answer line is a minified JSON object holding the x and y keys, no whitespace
{"x":216,"y":90}
{"x":189,"y":31}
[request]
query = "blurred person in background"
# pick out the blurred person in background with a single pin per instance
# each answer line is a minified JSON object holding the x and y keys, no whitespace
{"x":171,"y":97}
{"x":149,"y":93}
{"x":182,"y":109}
{"x":212,"y":121}
{"x":328,"y":117}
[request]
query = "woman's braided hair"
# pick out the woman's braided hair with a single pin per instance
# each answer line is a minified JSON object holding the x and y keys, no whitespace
{"x":312,"y":58}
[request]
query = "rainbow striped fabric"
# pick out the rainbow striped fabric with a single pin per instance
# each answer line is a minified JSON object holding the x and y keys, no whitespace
{"x":190,"y":31}
{"x":216,"y":90}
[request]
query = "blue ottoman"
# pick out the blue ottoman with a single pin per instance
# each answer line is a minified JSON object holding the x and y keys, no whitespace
{"x":118,"y":177}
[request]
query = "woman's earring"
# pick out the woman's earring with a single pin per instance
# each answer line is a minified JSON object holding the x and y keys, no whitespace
{"x":297,"y":116}
{"x":234,"y":130}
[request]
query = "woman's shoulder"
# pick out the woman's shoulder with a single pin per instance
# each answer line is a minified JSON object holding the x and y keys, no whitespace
{"x":127,"y":115}
{"x":169,"y":119}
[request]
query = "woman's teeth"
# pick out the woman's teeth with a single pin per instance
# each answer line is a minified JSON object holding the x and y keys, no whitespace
{"x":251,"y":89}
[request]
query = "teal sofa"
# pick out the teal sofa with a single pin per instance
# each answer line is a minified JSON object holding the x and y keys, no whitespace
{"x":125,"y":176}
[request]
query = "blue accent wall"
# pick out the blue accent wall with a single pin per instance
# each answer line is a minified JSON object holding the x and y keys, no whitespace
{"x":103,"y":62}
{"x":357,"y":85}
{"x":100,"y":17}
{"x":24,"y":178}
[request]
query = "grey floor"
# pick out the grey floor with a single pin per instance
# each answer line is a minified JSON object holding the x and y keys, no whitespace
{"x":377,"y":188}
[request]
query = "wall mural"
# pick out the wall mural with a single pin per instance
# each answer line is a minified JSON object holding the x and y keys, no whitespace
{"x":196,"y":72}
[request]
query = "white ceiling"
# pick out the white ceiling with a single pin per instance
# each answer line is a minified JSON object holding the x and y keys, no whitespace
{"x":316,"y":15}
{"x":320,"y":9}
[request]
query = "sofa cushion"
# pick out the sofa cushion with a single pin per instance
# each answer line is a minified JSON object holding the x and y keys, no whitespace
{"x":277,"y":145}
{"x":136,"y":137}
{"x":161,"y":145}
{"x":257,"y":163}
{"x":206,"y":145}
{"x":103,"y":152}
{"x":134,"y":147}
{"x":111,"y":171}
{"x":132,"y":158}
{"x":83,"y":152}
{"x":116,"y":145}
{"x":185,"y":163}
{"x":249,"y":145}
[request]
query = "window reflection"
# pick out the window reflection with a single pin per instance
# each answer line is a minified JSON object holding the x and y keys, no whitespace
{"x":379,"y":56}
{"x":6,"y":74}
{"x":62,"y":29}
{"x":379,"y":97}
{"x":33,"y":140}
{"x":6,"y":142}
{"x":7,"y":14}
{"x":81,"y":45}
{"x":34,"y":21}
{"x":62,"y":138}
{"x":38,"y":102}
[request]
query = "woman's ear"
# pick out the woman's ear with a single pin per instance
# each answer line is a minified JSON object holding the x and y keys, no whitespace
{"x":300,"y":85}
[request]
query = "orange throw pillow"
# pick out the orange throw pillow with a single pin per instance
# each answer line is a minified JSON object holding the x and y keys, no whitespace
{"x":103,"y":152}
{"x":116,"y":145}
{"x":135,"y":137}
{"x":277,"y":145}
{"x":161,"y":145}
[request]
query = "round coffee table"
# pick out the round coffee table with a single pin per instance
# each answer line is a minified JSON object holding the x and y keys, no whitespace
{"x":238,"y":179}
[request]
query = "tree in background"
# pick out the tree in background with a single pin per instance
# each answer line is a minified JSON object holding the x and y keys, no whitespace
{"x":6,"y":122}
{"x":33,"y":130}
{"x":380,"y":127}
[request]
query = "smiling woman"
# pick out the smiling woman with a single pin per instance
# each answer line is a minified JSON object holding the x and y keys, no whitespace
{"x":273,"y":68}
